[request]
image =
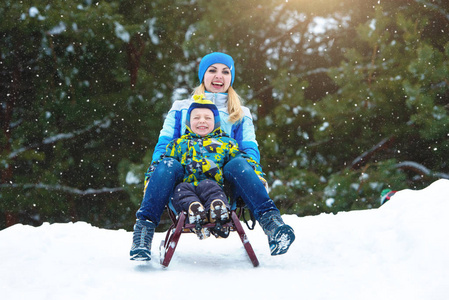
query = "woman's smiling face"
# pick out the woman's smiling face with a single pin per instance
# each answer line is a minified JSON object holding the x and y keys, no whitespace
{"x":217,"y":78}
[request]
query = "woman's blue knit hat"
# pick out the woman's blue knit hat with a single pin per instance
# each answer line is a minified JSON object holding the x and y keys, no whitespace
{"x":201,"y":102}
{"x":216,"y":58}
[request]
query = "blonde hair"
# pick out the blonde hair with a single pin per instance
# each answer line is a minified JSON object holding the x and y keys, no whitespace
{"x":234,"y":103}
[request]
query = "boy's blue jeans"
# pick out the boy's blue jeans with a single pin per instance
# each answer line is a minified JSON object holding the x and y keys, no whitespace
{"x":238,"y":173}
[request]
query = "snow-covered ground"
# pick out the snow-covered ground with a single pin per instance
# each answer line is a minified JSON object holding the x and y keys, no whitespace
{"x":399,"y":251}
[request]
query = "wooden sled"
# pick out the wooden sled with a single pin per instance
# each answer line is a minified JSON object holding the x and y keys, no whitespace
{"x":179,"y":226}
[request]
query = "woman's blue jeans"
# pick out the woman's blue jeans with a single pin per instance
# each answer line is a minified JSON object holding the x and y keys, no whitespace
{"x":238,"y":173}
{"x":168,"y":174}
{"x":245,"y":183}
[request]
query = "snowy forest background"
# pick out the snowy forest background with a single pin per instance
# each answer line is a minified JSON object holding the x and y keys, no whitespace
{"x":349,"y":97}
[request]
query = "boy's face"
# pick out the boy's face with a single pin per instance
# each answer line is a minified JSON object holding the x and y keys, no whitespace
{"x":202,"y":121}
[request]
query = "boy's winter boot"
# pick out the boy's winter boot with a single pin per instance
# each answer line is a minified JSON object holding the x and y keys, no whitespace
{"x":197,"y":216}
{"x":219,"y":214}
{"x":142,"y":238}
{"x":280,"y":235}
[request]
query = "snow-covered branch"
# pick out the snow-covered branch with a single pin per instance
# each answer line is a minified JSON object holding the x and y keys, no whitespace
{"x":405,"y":165}
{"x":63,"y":188}
{"x":434,"y":7}
{"x":420,"y":169}
{"x":63,"y":136}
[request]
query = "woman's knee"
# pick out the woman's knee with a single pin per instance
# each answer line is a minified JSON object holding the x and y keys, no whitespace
{"x":237,"y":164}
{"x":169,"y":164}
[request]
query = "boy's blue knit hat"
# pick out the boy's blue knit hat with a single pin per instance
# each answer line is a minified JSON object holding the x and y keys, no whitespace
{"x":201,"y":102}
{"x":216,"y":58}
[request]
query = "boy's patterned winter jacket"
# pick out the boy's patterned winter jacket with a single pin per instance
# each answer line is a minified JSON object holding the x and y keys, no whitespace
{"x":205,"y":157}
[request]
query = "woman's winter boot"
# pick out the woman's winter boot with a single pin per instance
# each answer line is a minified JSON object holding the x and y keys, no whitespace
{"x":142,"y":238}
{"x":280,"y":235}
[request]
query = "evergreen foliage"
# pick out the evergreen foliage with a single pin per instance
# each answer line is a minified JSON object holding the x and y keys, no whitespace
{"x":349,"y":97}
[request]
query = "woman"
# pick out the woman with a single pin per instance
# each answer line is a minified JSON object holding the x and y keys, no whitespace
{"x":216,"y":74}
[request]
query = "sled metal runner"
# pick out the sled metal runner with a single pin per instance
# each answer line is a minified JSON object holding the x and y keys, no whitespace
{"x":180,"y":225}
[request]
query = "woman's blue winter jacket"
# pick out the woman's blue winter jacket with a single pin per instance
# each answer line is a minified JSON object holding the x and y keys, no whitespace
{"x":243,"y":131}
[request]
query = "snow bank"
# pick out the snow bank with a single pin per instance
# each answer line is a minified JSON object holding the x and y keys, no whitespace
{"x":398,"y":251}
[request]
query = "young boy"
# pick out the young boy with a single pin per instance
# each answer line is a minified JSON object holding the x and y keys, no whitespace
{"x":203,"y":151}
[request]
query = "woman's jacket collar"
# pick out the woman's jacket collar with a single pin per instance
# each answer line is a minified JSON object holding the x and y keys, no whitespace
{"x":219,"y":99}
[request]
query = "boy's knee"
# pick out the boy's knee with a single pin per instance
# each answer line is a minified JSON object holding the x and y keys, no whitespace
{"x":185,"y":186}
{"x":207,"y":183}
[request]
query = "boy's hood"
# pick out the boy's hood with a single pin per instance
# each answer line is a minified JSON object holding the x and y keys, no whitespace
{"x":201,"y":102}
